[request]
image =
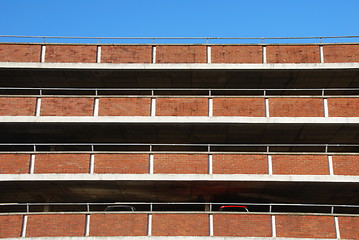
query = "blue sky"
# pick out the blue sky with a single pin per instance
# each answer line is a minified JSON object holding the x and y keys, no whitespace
{"x":182,"y":18}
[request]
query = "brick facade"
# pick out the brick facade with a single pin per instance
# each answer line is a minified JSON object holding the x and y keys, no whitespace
{"x":67,"y":106}
{"x":300,"y":164}
{"x":239,"y":164}
{"x":296,"y":107}
{"x":181,"y":163}
{"x":341,"y":53}
{"x":121,"y":163}
{"x":126,"y":54}
{"x":348,"y":227}
{"x":346,"y":165}
{"x":17,"y":106}
{"x":11,"y":226}
{"x":293,"y":54}
{"x":182,"y":107}
{"x":236,"y":54}
{"x":244,"y":107}
{"x":343,"y":107}
{"x":14,"y":163}
{"x":125,"y":107}
{"x":181,"y":54}
{"x":71,"y":54}
{"x":62,"y":163}
{"x":20,"y":53}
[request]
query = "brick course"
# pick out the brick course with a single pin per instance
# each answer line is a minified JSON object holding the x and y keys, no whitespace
{"x":55,"y":225}
{"x":343,"y":107}
{"x":10,"y":226}
{"x":121,"y":163}
{"x":300,"y":164}
{"x":70,"y":54}
{"x":126,"y":54}
{"x":346,"y":165}
{"x":246,"y":107}
{"x":125,"y":107}
{"x":296,"y":107}
{"x":67,"y":106}
{"x":62,"y":163}
{"x":305,"y":226}
{"x":236,"y":54}
{"x":293,"y":54}
{"x":16,"y":106}
{"x":348,"y":227}
{"x":182,"y":107}
{"x":180,"y":225}
{"x":14,"y":163}
{"x":19,"y":53}
{"x":181,"y":54}
{"x":236,"y":225}
{"x":239,"y":164}
{"x":118,"y":225}
{"x":181,"y":163}
{"x":341,"y":53}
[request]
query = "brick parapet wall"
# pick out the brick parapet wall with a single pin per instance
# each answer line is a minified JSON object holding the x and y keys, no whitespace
{"x":179,"y":224}
{"x":180,"y":53}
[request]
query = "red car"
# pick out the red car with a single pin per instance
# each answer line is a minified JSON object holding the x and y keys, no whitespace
{"x":233,"y":208}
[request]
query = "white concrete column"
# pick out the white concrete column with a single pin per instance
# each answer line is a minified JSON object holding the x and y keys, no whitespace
{"x":98,"y":54}
{"x":211,"y":232}
{"x":38,"y":107}
{"x":336,"y":223}
{"x":32,"y":163}
{"x":92,"y":164}
{"x":330,"y":165}
{"x":154,"y":49}
{"x":151,"y":163}
{"x":266,"y":107}
{"x":270,"y":165}
{"x":43,"y":53}
{"x":274,"y":230}
{"x":95,"y":106}
{"x":326,"y":110}
{"x":210,"y":164}
{"x":264,"y":54}
{"x":149,"y":225}
{"x":321,"y":54}
{"x":24,"y":224}
{"x":209,"y":54}
{"x":210,"y":107}
{"x":87,"y":225}
{"x":153,"y":107}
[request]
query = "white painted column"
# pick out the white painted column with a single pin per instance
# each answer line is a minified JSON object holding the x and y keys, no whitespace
{"x":321,"y":54}
{"x":266,"y":106}
{"x":154,"y":49}
{"x":24,"y":224}
{"x":270,"y":165}
{"x":210,"y":107}
{"x":210,"y":164}
{"x":336,"y":223}
{"x":264,"y":54}
{"x":92,"y":163}
{"x":32,"y":163}
{"x":274,"y":230}
{"x":326,"y":110}
{"x":211,"y":232}
{"x":98,"y":54}
{"x":38,"y":107}
{"x":209,"y":54}
{"x":149,"y":225}
{"x":96,"y":107}
{"x":151,"y":163}
{"x":87,"y":225}
{"x":330,"y":165}
{"x":43,"y":53}
{"x":153,"y":107}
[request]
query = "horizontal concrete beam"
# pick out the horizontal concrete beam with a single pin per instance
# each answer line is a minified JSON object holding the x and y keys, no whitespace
{"x":181,"y":66}
{"x":178,"y":177}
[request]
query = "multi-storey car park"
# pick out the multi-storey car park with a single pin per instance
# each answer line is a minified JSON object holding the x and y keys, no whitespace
{"x":177,"y":131}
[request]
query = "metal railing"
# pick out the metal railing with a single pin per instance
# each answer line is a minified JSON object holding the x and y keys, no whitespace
{"x":153,"y":40}
{"x":181,"y":207}
{"x":158,"y":147}
{"x":209,"y":92}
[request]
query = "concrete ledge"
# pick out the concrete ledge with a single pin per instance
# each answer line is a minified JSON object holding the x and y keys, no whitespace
{"x":178,"y":177}
{"x":180,"y":120}
{"x":181,"y":66}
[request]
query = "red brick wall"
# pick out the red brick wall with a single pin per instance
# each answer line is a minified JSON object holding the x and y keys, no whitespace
{"x":242,"y":225}
{"x":341,"y":53}
{"x":118,"y":225}
{"x":71,"y":54}
{"x":181,"y":54}
{"x":300,"y":164}
{"x":346,"y":165}
{"x":67,"y":106}
{"x":62,"y":163}
{"x":343,"y":107}
{"x":348,"y":227}
{"x":246,"y":107}
{"x":19,"y":53}
{"x":296,"y":107}
{"x":55,"y":225}
{"x":121,"y":163}
{"x":125,"y":107}
{"x":180,"y":225}
{"x":305,"y":226}
{"x":293,"y":54}
{"x":126,"y":54}
{"x":182,"y":107}
{"x":236,"y":54}
{"x":16,"y":106}
{"x":181,"y":163}
{"x":239,"y":164}
{"x":14,"y":163}
{"x":10,"y":226}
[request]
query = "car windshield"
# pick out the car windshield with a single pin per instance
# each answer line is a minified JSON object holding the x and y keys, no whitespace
{"x":120,"y":208}
{"x":233,"y":209}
